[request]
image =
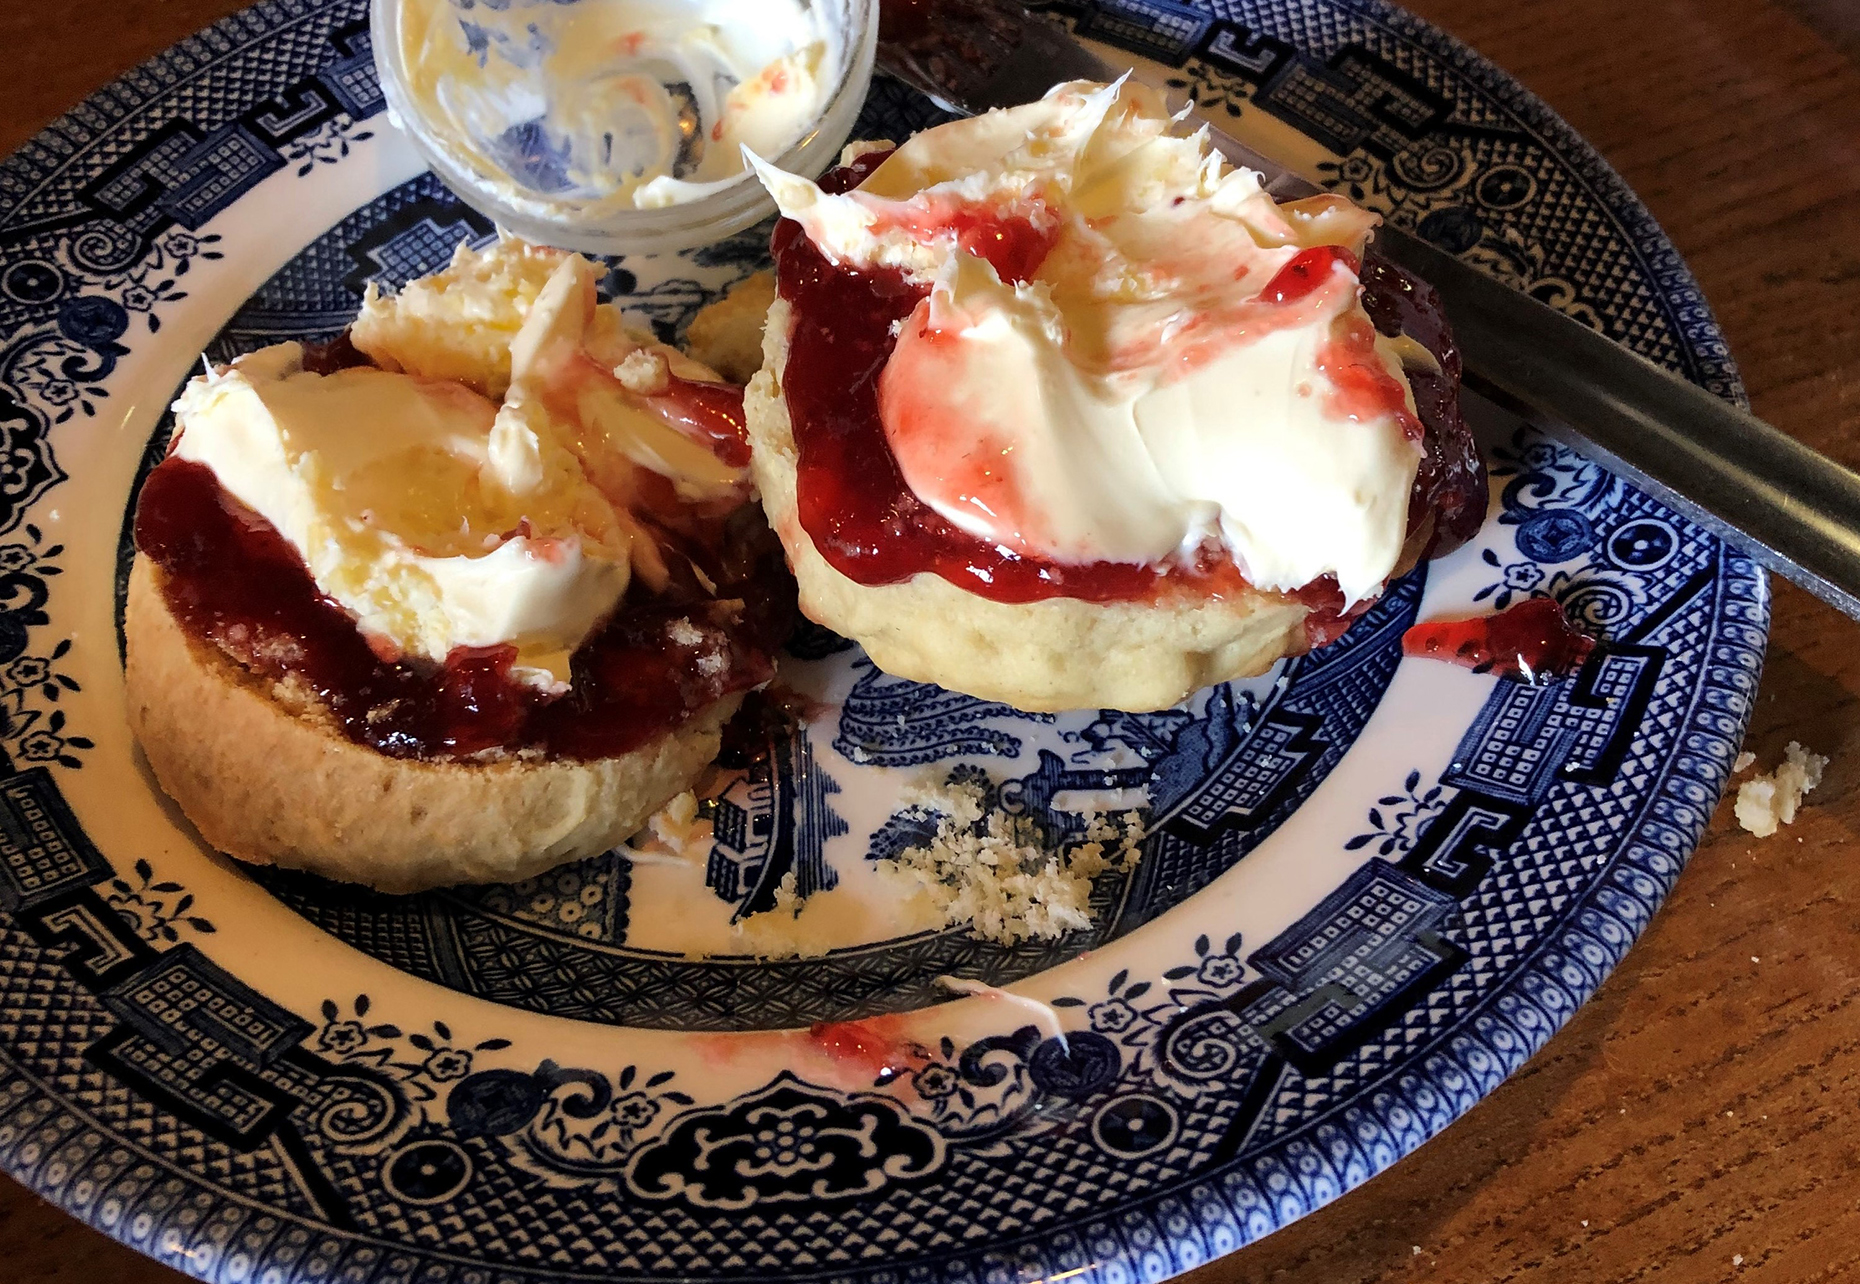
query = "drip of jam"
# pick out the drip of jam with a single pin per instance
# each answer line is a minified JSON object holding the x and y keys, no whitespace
{"x":865,"y":520}
{"x":1305,"y":272}
{"x":233,"y":581}
{"x":711,"y":413}
{"x":1529,"y":642}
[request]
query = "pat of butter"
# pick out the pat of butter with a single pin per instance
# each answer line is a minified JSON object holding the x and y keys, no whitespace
{"x":433,"y":516}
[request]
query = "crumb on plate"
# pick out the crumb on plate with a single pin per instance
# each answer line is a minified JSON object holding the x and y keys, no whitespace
{"x":1764,"y":802}
{"x":1000,"y":875}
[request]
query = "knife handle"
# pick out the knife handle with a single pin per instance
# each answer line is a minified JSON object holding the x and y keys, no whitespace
{"x":1792,"y":510}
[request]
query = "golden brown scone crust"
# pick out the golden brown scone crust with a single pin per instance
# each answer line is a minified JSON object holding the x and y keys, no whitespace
{"x":1057,"y":654}
{"x":276,"y":787}
{"x":727,"y":335}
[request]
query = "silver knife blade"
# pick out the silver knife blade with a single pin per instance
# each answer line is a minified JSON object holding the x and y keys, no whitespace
{"x":1792,"y":510}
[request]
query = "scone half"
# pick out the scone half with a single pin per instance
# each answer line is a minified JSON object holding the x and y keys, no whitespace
{"x":463,"y":595}
{"x":266,"y":777}
{"x":1060,"y":653}
{"x":1058,"y":410}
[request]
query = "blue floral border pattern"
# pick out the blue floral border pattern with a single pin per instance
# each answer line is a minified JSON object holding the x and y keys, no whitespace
{"x":32,"y":674}
{"x":100,"y":219}
{"x":165,"y":1101}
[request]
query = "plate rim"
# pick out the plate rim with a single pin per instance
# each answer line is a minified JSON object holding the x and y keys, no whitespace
{"x":1694,"y":326}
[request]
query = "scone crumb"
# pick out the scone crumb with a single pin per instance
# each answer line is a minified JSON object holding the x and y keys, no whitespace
{"x":281,"y":650}
{"x":780,"y":932}
{"x":1743,"y":762}
{"x":681,"y":810}
{"x":958,"y":802}
{"x":1764,"y":802}
{"x":674,"y":835}
{"x":788,"y":894}
{"x":1000,"y":875}
{"x":643,"y":372}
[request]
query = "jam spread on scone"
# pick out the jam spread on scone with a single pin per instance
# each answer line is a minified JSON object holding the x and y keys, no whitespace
{"x":997,"y":280}
{"x":853,"y":500}
{"x":568,"y":572}
{"x":234,"y":582}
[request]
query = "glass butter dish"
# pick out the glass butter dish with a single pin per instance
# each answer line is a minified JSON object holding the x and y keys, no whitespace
{"x":618,"y":126}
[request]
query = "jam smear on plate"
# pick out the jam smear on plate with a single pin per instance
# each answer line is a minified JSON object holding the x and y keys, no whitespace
{"x":863,"y":517}
{"x":1531,"y":641}
{"x":233,"y":581}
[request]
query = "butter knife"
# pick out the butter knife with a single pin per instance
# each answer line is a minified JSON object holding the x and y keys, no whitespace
{"x":1792,"y":510}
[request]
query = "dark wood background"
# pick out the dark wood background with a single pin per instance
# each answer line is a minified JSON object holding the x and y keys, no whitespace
{"x":1698,"y":1120}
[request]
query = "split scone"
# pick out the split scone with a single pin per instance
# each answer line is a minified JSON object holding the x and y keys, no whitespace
{"x":461,"y":596}
{"x":1058,"y":410}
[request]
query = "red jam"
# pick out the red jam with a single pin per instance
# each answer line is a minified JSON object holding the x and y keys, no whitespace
{"x":1361,"y":387}
{"x":1307,"y":270}
{"x":234,"y":581}
{"x":1451,"y":481}
{"x":1014,"y":242}
{"x":710,"y":412}
{"x":856,"y":507}
{"x":1528,"y":642}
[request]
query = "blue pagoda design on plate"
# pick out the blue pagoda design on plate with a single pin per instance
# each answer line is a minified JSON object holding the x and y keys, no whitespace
{"x":894,"y":722}
{"x":773,"y":822}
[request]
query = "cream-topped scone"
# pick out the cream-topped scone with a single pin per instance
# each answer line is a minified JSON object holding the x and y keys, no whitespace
{"x":434,"y":516}
{"x":1058,"y":409}
{"x":446,"y":637}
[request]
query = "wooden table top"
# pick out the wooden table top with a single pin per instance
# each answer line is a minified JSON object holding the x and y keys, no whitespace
{"x":1698,"y":1119}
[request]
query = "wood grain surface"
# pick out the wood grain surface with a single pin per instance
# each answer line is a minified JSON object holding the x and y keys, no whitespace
{"x":1698,"y":1120}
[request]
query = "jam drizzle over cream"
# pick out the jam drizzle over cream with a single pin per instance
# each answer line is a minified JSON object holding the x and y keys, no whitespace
{"x":1115,"y":365}
{"x":866,"y":518}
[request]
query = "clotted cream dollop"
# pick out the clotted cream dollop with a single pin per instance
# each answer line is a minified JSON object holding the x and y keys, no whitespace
{"x":1128,"y":349}
{"x":440,"y":518}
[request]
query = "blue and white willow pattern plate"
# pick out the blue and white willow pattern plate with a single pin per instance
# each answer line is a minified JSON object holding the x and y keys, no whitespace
{"x":1372,"y":888}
